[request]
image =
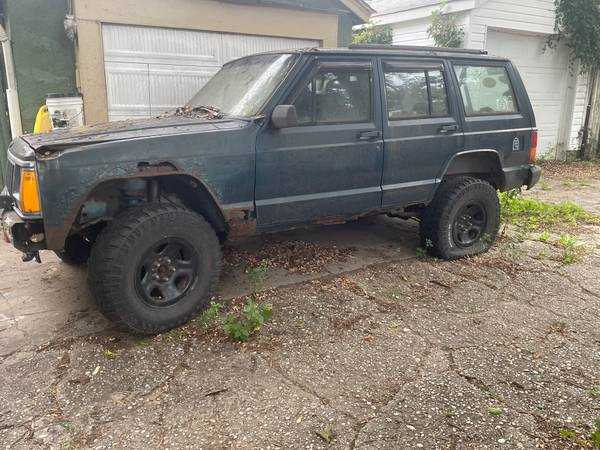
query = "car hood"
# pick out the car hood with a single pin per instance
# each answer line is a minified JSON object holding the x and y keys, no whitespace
{"x":47,"y":143}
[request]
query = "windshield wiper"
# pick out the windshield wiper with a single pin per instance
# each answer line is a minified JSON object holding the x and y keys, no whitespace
{"x":199,"y":112}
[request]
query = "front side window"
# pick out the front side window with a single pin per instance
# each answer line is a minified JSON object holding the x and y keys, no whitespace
{"x":336,"y":96}
{"x":414,"y":94}
{"x":486,"y":90}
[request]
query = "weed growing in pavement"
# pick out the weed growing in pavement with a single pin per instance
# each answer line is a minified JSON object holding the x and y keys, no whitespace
{"x":595,"y":392}
{"x":531,"y":214}
{"x":253,"y":316}
{"x":258,"y":275}
{"x":495,"y":411}
{"x":176,"y":335}
{"x":208,"y":318}
{"x":326,"y":434}
{"x":238,"y":327}
{"x":595,"y":436}
{"x":544,"y":237}
{"x":143,"y":343}
{"x":109,"y":354}
{"x":421,"y":252}
{"x":572,"y":250}
{"x":567,"y":433}
{"x":559,"y":327}
{"x":449,"y":413}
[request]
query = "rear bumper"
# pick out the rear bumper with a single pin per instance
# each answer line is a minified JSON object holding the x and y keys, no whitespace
{"x":535,"y":173}
{"x":518,"y":177}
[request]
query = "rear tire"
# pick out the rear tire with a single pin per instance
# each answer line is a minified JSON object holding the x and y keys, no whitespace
{"x":463,"y":219}
{"x":154,"y":268}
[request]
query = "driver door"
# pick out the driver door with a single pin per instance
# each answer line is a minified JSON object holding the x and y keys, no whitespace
{"x":330,"y":165}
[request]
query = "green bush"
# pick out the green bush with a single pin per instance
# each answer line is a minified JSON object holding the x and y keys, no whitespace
{"x":253,"y":316}
{"x":373,"y":34}
{"x":444,"y":28}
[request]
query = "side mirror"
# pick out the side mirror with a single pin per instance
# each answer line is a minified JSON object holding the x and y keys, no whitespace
{"x":284,"y":116}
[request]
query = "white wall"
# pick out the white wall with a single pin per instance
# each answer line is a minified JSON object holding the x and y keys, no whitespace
{"x":412,"y":33}
{"x":525,"y":16}
{"x":531,"y":16}
{"x":415,"y":31}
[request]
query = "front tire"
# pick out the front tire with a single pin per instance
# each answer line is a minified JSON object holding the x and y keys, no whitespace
{"x":154,"y":268}
{"x":463,"y":219}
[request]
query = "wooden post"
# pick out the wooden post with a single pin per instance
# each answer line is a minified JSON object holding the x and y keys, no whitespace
{"x":591,"y":141}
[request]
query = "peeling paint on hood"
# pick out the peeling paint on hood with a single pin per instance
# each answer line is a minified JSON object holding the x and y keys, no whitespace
{"x":127,"y":129}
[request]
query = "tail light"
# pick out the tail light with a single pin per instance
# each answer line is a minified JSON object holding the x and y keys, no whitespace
{"x":534,"y":147}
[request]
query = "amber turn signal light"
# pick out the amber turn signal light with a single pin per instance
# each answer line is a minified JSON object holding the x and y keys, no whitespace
{"x":534,"y":147}
{"x":29,"y":193}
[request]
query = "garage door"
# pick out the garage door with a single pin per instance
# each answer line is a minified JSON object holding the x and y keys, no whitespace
{"x":153,"y":70}
{"x":545,"y":74}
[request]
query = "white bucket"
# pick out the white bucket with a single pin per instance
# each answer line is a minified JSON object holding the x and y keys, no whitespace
{"x":66,"y":112}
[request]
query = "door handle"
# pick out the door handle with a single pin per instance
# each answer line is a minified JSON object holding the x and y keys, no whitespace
{"x":448,"y":129}
{"x":369,"y":135}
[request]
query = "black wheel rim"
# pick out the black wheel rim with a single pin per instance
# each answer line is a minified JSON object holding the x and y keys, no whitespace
{"x":167,"y":272}
{"x":469,"y":225}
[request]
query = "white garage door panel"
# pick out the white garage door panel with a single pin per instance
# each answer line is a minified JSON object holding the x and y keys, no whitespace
{"x":150,"y":71}
{"x":175,"y":85}
{"x":129,"y":90}
{"x":545,"y":74}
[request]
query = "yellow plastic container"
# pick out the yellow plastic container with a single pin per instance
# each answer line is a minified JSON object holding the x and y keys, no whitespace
{"x":43,"y":122}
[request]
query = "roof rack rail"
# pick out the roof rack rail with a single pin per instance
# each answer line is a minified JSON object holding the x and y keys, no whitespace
{"x":416,"y":48}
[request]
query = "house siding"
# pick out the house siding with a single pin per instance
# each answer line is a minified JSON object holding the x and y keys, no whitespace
{"x":415,"y":32}
{"x":412,"y":33}
{"x":535,"y":16}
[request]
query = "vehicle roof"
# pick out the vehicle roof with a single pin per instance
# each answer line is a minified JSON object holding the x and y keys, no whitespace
{"x":396,"y":50}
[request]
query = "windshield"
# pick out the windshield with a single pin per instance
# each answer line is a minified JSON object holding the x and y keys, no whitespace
{"x":243,"y":86}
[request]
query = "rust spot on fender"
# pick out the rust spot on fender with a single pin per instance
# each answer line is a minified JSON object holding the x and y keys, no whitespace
{"x":156,"y":169}
{"x":240,"y":222}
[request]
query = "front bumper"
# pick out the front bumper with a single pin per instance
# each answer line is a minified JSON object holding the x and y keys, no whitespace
{"x":26,"y":236}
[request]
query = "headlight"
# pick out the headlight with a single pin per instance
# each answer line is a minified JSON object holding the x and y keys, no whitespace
{"x":29,"y":193}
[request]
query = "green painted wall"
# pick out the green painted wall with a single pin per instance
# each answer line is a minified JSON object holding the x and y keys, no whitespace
{"x":44,"y":58}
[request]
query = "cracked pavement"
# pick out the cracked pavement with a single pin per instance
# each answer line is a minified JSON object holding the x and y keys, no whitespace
{"x":371,"y":348}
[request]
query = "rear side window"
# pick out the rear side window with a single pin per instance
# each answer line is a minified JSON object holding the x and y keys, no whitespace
{"x":336,"y":96}
{"x":414,"y":94}
{"x":486,"y":90}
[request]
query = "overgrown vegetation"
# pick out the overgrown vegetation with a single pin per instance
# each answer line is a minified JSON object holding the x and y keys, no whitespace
{"x":534,"y":215}
{"x":577,"y":26}
{"x":253,"y":316}
{"x":444,"y":28}
{"x":373,"y":34}
{"x":571,"y":247}
{"x":239,"y":327}
{"x":258,"y":275}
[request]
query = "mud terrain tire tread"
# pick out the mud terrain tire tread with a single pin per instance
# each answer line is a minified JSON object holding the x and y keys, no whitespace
{"x":437,"y":219}
{"x":111,"y":255}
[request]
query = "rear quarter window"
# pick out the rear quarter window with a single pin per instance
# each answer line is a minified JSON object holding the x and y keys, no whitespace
{"x":486,"y":90}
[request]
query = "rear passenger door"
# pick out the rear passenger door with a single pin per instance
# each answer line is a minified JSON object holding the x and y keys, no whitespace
{"x":497,"y":117}
{"x":422,"y":128}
